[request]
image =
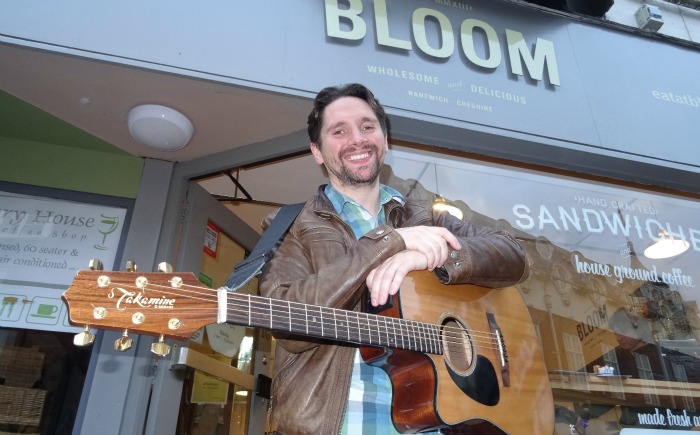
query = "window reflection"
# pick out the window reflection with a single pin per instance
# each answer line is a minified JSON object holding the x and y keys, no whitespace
{"x":618,"y":331}
{"x":41,"y":378}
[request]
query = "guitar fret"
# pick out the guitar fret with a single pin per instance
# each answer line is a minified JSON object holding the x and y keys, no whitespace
{"x":313,"y":320}
{"x":249,"y":310}
{"x":343,"y":324}
{"x":399,"y":335}
{"x":335,"y":322}
{"x":439,"y":342}
{"x":390,"y":342}
{"x":320,"y":316}
{"x":289,"y":310}
{"x":375,"y":330}
{"x":270,"y":310}
{"x":297,"y":319}
{"x":421,"y":337}
{"x":426,"y":338}
{"x":419,"y":345}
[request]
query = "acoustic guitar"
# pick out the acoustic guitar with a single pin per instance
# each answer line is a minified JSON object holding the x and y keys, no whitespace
{"x":460,"y":357}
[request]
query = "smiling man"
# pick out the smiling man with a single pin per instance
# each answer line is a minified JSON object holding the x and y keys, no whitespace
{"x":357,"y":236}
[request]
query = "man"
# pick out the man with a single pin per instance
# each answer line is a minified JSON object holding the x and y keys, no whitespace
{"x":637,"y":354}
{"x":357,"y":236}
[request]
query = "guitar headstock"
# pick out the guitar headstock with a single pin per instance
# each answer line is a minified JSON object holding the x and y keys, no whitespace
{"x":170,"y":304}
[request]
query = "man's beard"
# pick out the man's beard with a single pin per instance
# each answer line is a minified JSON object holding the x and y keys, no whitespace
{"x":355,"y":179}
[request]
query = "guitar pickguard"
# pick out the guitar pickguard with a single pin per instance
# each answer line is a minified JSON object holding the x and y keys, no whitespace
{"x":481,"y":385}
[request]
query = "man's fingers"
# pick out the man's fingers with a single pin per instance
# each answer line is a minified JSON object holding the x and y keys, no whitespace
{"x":385,"y":280}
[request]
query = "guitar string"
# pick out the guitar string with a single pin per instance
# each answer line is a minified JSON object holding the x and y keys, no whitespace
{"x":425,"y":333}
{"x":423,"y":340}
{"x":246,"y":307}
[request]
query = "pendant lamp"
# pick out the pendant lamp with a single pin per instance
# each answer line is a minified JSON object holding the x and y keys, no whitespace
{"x":442,"y":204}
{"x":666,"y":247}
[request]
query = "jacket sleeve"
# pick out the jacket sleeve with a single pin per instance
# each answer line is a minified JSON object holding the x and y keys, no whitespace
{"x":488,"y":258}
{"x":315,"y":265}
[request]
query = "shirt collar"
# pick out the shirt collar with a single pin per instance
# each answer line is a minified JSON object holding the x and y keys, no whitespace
{"x":386,"y":194}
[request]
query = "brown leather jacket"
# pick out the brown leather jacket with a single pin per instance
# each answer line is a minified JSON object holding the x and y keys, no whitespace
{"x":320,"y":262}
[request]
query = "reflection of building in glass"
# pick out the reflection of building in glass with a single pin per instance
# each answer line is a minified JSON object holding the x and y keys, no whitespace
{"x":587,"y":318}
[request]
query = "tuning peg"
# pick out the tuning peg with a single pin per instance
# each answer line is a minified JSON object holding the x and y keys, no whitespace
{"x":160,"y":348}
{"x":95,"y":264}
{"x":85,"y":338}
{"x":124,"y":342}
{"x":131,"y":266}
{"x":165,"y":267}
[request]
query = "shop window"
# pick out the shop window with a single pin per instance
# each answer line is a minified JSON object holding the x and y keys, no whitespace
{"x":46,"y":236}
{"x":41,"y":378}
{"x":574,"y":359}
{"x":610,"y":360}
{"x":618,"y":328}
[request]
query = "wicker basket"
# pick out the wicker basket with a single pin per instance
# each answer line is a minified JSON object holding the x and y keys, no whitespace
{"x":22,"y":406}
{"x":20,"y":366}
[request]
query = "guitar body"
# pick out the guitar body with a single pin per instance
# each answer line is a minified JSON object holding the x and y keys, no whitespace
{"x":479,"y":385}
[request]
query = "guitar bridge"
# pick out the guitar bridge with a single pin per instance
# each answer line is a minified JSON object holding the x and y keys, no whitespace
{"x":500,"y":348}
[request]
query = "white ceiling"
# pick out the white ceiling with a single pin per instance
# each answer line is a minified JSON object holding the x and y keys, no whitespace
{"x":223,"y":116}
{"x":97,"y":96}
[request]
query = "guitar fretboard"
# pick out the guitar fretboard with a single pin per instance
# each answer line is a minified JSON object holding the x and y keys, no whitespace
{"x":334,"y":324}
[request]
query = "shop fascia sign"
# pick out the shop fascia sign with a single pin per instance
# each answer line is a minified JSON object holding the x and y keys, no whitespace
{"x":519,"y":54}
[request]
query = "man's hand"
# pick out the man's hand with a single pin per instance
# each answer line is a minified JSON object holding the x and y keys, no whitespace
{"x":384,"y":280}
{"x":432,"y":242}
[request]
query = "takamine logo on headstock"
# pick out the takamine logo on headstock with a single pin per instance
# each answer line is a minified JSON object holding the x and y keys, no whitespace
{"x":140,"y":299}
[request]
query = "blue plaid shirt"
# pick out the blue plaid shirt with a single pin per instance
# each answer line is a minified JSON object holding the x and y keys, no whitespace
{"x":369,"y":401}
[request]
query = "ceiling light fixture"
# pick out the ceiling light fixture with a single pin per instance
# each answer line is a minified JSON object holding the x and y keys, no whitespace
{"x":159,"y":127}
{"x":440,"y":203}
{"x":666,"y":247}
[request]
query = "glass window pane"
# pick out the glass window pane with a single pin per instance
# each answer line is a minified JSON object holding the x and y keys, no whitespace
{"x":618,"y":323}
{"x":41,"y":378}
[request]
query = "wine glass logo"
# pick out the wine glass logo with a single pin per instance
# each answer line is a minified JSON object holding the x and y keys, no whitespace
{"x":108,"y":224}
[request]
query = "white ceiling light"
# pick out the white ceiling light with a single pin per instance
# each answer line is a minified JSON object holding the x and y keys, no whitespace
{"x":159,"y":127}
{"x":666,"y":247}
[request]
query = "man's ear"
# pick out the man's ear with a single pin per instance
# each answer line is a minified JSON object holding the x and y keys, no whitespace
{"x":317,"y":153}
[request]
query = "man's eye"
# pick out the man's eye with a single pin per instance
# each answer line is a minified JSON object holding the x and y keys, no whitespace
{"x":369,"y":127}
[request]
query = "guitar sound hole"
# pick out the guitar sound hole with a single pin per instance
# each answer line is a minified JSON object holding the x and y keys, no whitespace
{"x":457,"y":346}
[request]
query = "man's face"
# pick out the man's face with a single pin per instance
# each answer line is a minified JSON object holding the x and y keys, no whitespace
{"x":353,"y":145}
{"x":628,"y":338}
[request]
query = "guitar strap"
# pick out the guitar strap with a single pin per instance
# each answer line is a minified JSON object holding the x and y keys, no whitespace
{"x":245,"y":270}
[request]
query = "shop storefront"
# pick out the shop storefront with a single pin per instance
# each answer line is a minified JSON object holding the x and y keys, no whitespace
{"x":577,"y":139}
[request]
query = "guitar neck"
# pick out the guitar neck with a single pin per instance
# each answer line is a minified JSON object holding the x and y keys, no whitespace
{"x":332,"y":323}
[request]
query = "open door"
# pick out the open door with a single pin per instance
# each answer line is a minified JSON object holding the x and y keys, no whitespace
{"x":219,"y":366}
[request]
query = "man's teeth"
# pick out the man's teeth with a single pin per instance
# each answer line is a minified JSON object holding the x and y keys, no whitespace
{"x":358,"y":157}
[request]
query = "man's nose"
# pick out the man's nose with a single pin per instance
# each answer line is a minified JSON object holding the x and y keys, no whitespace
{"x":358,"y":136}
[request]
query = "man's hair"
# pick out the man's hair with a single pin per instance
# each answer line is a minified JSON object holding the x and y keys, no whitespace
{"x":328,"y":95}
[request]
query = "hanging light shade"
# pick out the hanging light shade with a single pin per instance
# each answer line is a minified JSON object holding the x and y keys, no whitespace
{"x":666,"y":247}
{"x":442,"y":204}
